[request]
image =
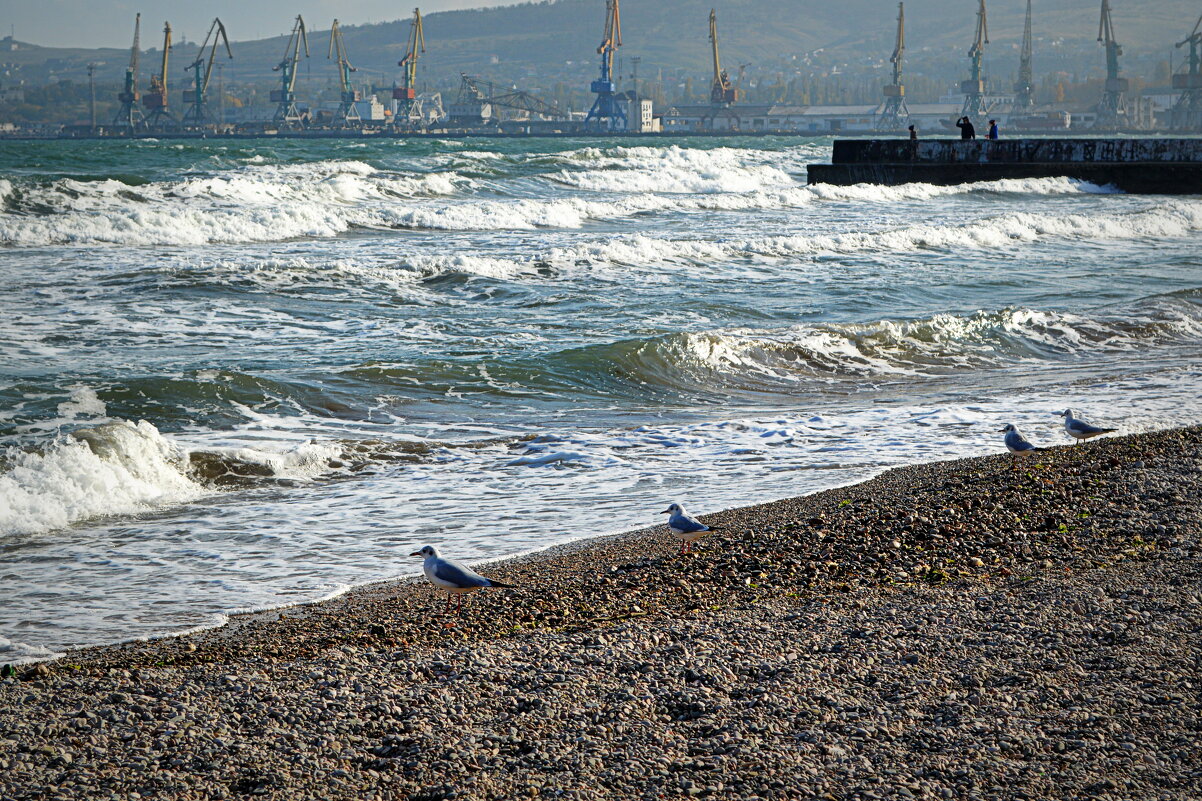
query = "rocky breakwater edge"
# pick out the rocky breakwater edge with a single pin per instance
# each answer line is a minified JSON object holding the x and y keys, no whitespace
{"x":952,"y":630}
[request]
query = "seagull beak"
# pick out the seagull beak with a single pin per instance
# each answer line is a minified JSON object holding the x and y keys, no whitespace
{"x":666,"y":511}
{"x":1000,"y":430}
{"x":416,"y":553}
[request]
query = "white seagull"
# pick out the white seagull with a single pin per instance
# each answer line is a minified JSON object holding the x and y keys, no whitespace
{"x":684,"y":526}
{"x":1017,"y":444}
{"x":1079,"y":429}
{"x":452,"y":576}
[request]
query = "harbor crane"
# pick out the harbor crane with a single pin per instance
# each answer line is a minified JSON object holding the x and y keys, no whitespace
{"x":155,"y":99}
{"x":348,"y":113}
{"x":1187,"y":111}
{"x":1024,"y":87}
{"x":202,"y":71}
{"x":607,"y":114}
{"x":1112,"y":108}
{"x":129,"y":114}
{"x":975,"y":102}
{"x":408,"y":109}
{"x":286,"y":113}
{"x":722,"y":91}
{"x":895,"y":114}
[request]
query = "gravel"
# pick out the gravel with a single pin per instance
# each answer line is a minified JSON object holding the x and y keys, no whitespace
{"x":955,"y":630}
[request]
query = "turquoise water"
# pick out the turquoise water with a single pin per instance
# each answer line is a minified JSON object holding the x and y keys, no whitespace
{"x":241,"y":374}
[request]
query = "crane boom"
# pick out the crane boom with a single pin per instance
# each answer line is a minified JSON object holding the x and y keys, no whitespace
{"x":1112,"y":108}
{"x":899,"y":45}
{"x":607,"y":112}
{"x":406,"y":93}
{"x":722,"y":91}
{"x":202,"y":73}
{"x":156,"y":98}
{"x":974,"y":88}
{"x":1024,"y":87}
{"x":136,"y":51}
{"x":348,"y":112}
{"x":286,"y":112}
{"x":129,"y":115}
{"x":894,"y":111}
{"x":1187,"y":111}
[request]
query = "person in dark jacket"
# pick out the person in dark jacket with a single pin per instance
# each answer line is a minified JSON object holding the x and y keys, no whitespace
{"x":993,"y":129}
{"x":967,"y":131}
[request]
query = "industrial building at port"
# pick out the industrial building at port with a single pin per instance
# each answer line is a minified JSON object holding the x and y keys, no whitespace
{"x":480,"y":106}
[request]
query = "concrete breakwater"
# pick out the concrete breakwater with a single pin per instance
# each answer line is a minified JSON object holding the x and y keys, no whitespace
{"x":1157,"y":166}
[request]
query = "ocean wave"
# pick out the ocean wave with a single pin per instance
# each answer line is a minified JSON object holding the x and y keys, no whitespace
{"x":1172,"y":218}
{"x":258,"y":203}
{"x":122,"y":468}
{"x":267,"y":202}
{"x":771,"y":361}
{"x":112,"y":469}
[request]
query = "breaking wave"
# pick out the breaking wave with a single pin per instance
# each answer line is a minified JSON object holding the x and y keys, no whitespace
{"x":773,"y":361}
{"x":262,"y":202}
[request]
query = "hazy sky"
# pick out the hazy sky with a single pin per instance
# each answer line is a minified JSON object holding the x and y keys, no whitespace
{"x":109,"y":23}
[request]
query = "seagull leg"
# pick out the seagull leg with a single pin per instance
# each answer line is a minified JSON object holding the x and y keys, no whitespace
{"x":447,"y":608}
{"x":459,"y":608}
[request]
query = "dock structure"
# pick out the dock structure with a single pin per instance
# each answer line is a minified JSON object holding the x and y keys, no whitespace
{"x":1146,"y":166}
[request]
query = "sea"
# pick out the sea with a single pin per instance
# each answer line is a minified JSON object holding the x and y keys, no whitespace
{"x":245,"y":374}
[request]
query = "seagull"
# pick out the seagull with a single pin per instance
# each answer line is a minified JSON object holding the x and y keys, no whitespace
{"x":685,"y":527}
{"x":1079,"y":429}
{"x":452,"y":576}
{"x":1017,"y":444}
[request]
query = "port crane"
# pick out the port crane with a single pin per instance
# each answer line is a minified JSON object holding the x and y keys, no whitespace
{"x":155,"y":99}
{"x":129,"y":113}
{"x":348,"y":113}
{"x":1024,"y":87}
{"x":894,"y":113}
{"x":408,"y":109}
{"x":975,"y":103}
{"x":286,"y":113}
{"x":722,"y":91}
{"x":607,"y":113}
{"x":1187,"y":111}
{"x":1112,"y":108}
{"x":202,"y":71}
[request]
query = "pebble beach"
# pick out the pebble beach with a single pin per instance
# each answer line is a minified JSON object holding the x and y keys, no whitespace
{"x":968,"y":629}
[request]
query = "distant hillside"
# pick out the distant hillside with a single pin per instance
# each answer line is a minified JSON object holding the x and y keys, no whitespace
{"x":540,"y":44}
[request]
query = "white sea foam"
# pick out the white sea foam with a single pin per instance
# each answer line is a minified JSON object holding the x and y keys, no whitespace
{"x":83,"y":403}
{"x":1170,"y":218}
{"x":113,"y":469}
{"x":275,"y":202}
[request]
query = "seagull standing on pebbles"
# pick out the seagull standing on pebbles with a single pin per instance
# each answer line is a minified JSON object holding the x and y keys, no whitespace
{"x":452,"y":576}
{"x":685,"y":527}
{"x":1017,"y":444}
{"x":1079,"y":429}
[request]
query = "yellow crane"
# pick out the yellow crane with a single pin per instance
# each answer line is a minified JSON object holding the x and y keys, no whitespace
{"x":155,"y":98}
{"x":895,"y":114}
{"x":406,"y":93}
{"x":722,"y":91}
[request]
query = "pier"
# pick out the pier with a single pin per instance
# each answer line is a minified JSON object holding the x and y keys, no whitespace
{"x":1146,"y":166}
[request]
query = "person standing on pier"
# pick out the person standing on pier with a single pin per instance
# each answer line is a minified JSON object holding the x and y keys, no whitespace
{"x":992,"y":129}
{"x":967,"y":131}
